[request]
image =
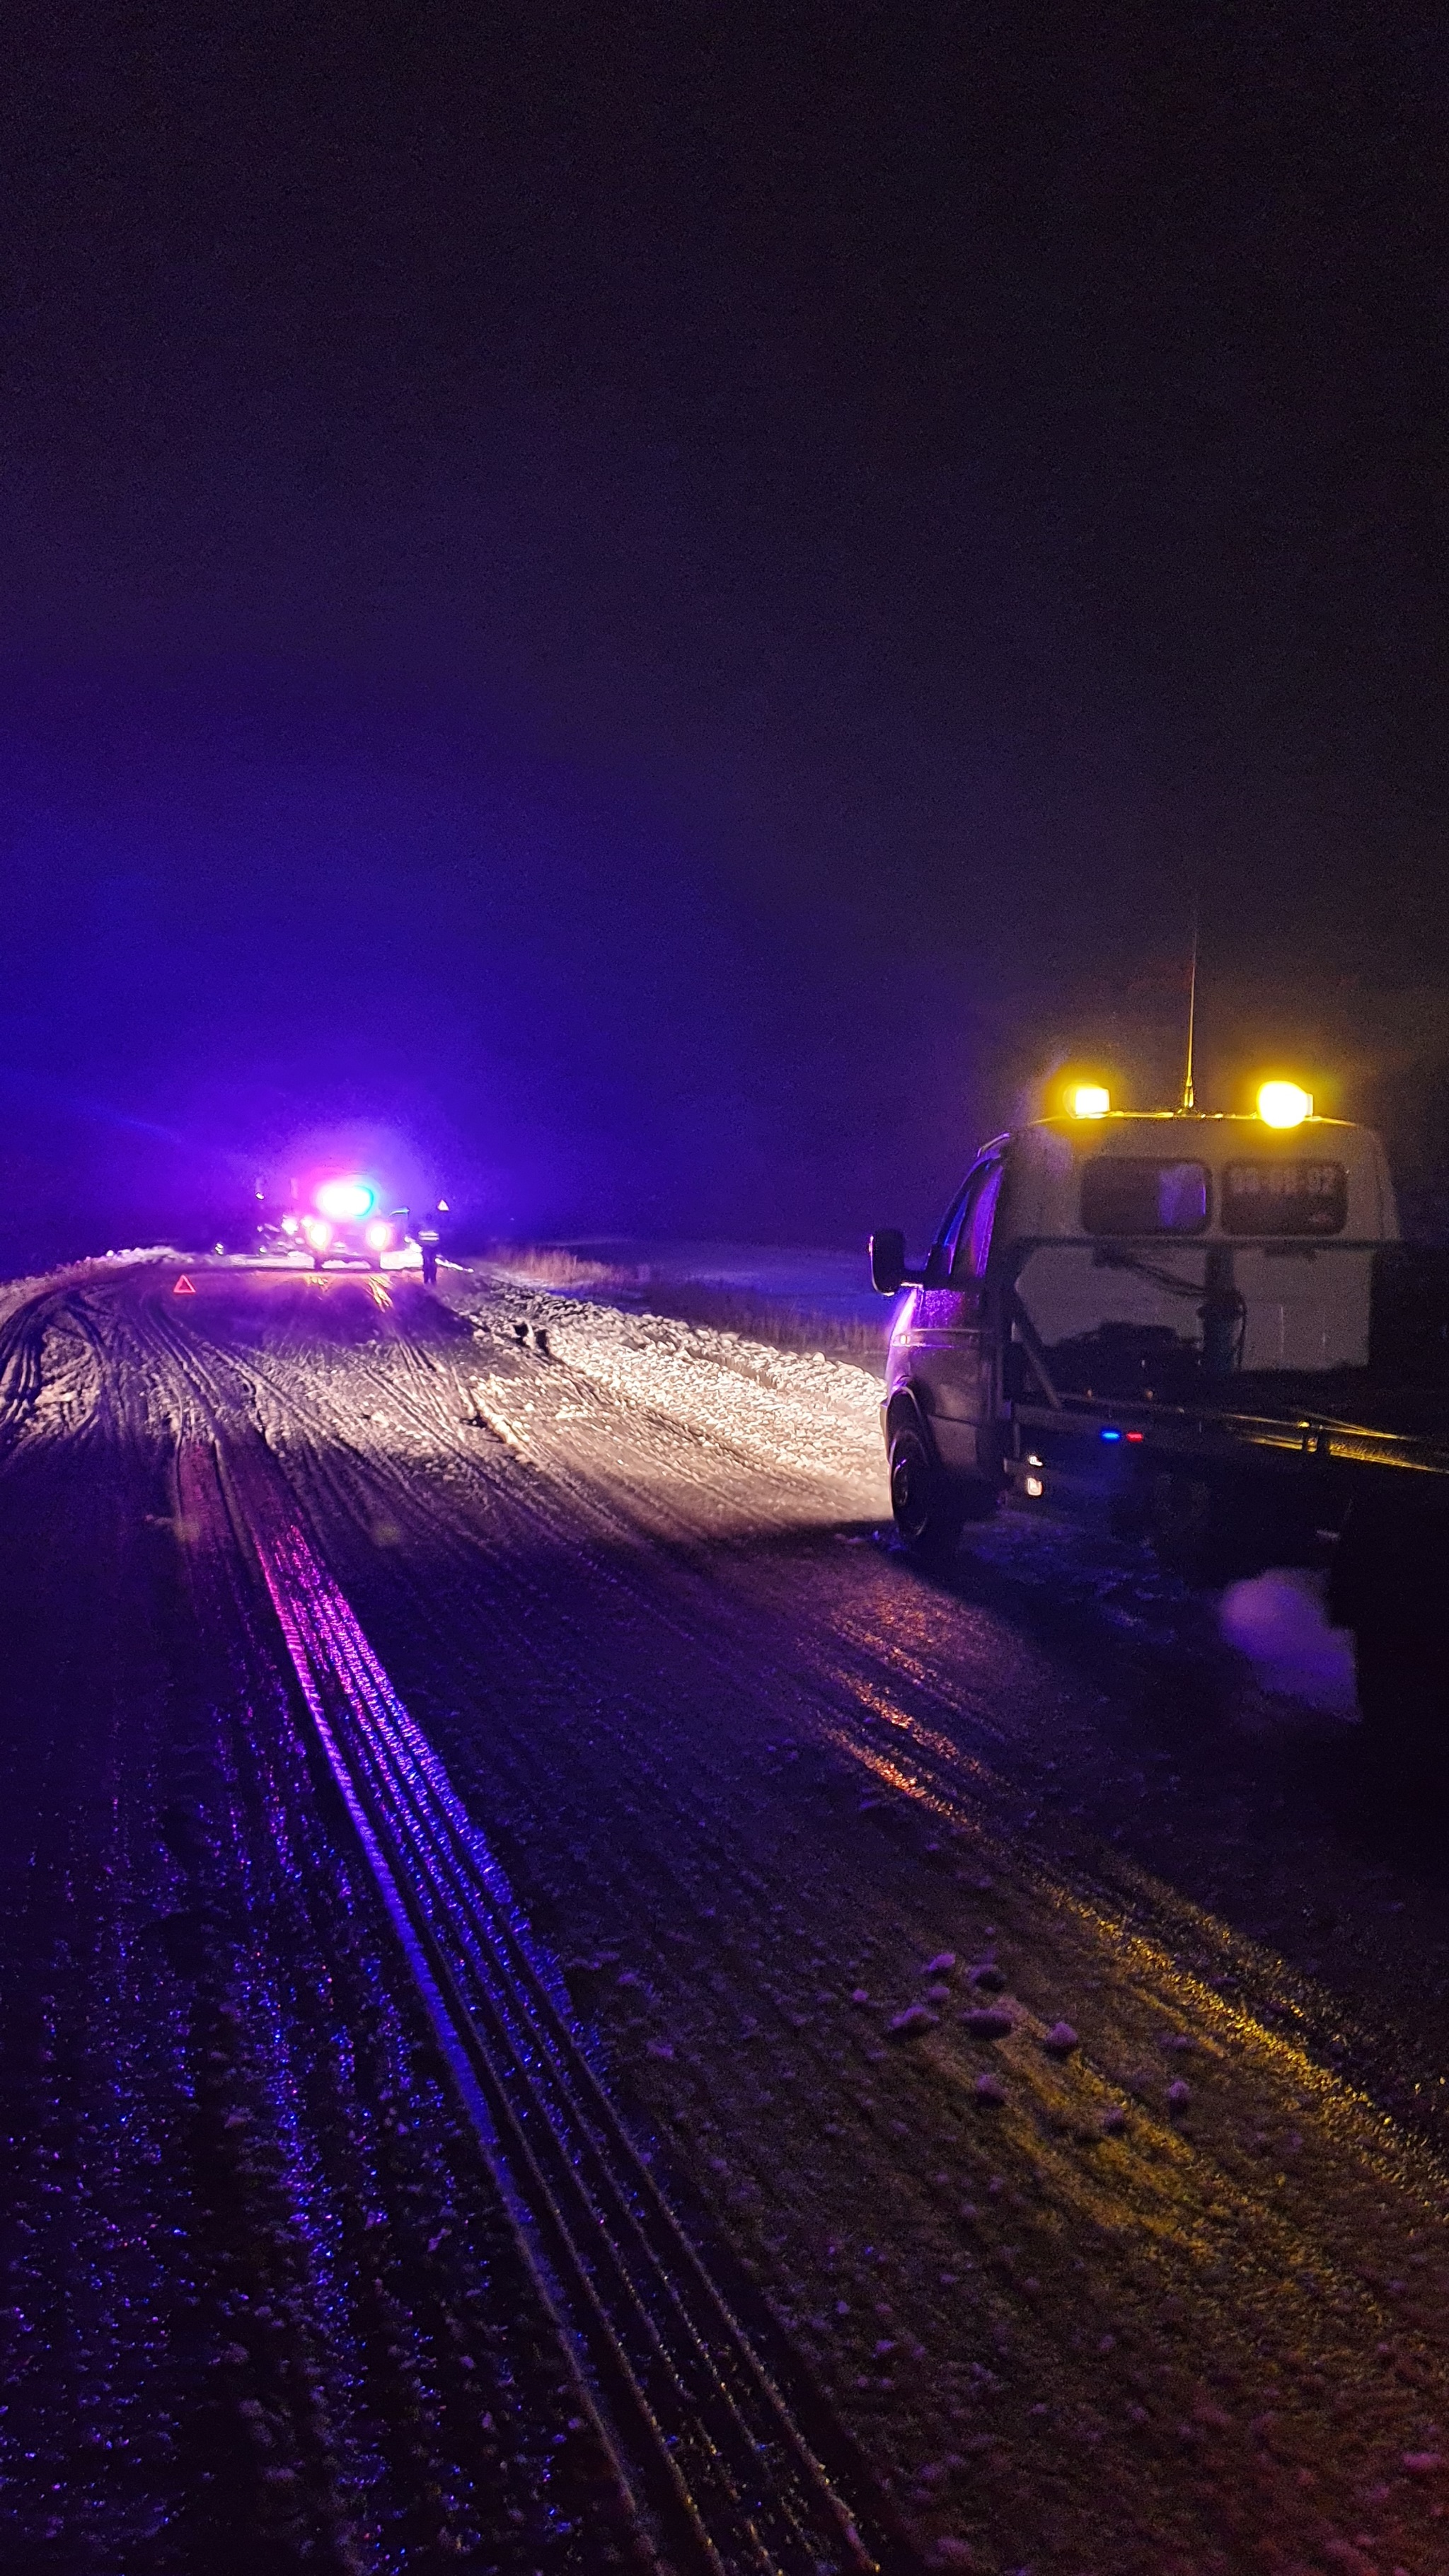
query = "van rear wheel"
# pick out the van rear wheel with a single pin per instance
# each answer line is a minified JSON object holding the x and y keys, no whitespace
{"x":1387,"y":1584}
{"x":1402,"y":1672}
{"x":928,"y":1514}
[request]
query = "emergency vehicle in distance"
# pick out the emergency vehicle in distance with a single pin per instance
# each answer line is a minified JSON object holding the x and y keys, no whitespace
{"x":338,"y":1218}
{"x":1207,"y":1325}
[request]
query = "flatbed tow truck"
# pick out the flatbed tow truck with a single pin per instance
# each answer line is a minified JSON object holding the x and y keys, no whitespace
{"x":1206,"y":1328}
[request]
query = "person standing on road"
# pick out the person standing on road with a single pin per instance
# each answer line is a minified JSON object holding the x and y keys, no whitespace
{"x":430,"y":1235}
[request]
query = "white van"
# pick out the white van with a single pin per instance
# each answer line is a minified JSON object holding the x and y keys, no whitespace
{"x":1169,"y":1258}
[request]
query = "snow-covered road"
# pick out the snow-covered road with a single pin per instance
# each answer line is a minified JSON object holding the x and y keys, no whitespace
{"x":1042,"y":2026}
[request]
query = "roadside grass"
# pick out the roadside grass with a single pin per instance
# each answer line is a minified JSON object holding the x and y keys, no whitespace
{"x":549,"y":1265}
{"x":784,"y":1323}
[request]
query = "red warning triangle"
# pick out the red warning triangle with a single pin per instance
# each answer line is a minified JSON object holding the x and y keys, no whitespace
{"x":183,"y":1288}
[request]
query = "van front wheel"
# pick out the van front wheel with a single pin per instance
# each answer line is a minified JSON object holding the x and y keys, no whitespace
{"x":928,"y":1515}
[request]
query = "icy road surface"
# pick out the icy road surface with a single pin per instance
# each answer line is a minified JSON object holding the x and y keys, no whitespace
{"x":1045,"y":2024}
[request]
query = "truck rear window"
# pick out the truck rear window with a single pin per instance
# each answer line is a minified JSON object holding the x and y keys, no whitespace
{"x":1123,"y":1196}
{"x":1270,"y":1196}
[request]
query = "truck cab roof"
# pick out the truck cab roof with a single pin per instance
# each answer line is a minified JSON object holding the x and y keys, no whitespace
{"x":1200,"y":1175}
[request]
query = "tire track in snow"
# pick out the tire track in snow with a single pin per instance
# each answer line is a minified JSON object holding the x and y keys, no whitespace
{"x":711,"y":2444}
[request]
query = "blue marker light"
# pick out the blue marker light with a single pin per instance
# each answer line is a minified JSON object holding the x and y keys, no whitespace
{"x":1109,"y":1435}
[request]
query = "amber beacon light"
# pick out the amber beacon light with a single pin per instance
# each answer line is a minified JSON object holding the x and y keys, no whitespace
{"x":1090,"y":1100}
{"x":1284,"y":1104}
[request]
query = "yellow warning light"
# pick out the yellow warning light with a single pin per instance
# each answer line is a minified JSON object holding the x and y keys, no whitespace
{"x":1089,"y":1100}
{"x":1284,"y":1104}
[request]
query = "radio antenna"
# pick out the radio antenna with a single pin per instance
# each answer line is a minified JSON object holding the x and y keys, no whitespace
{"x":1187,"y":1095}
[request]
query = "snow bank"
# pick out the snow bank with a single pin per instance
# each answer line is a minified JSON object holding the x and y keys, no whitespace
{"x":815,"y":1415}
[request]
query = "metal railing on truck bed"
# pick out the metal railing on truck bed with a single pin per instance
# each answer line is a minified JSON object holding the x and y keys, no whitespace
{"x":1404,"y":1390}
{"x":1221,"y":1432}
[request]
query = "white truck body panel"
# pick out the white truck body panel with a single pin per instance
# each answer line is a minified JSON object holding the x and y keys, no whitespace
{"x":1305,"y":1298}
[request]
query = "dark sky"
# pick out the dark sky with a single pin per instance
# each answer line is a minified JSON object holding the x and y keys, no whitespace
{"x":662,"y":605}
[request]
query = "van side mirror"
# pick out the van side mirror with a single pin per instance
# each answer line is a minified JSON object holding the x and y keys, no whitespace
{"x":887,"y":1261}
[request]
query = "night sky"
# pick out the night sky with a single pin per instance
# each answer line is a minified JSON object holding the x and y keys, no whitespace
{"x":651,"y":611}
